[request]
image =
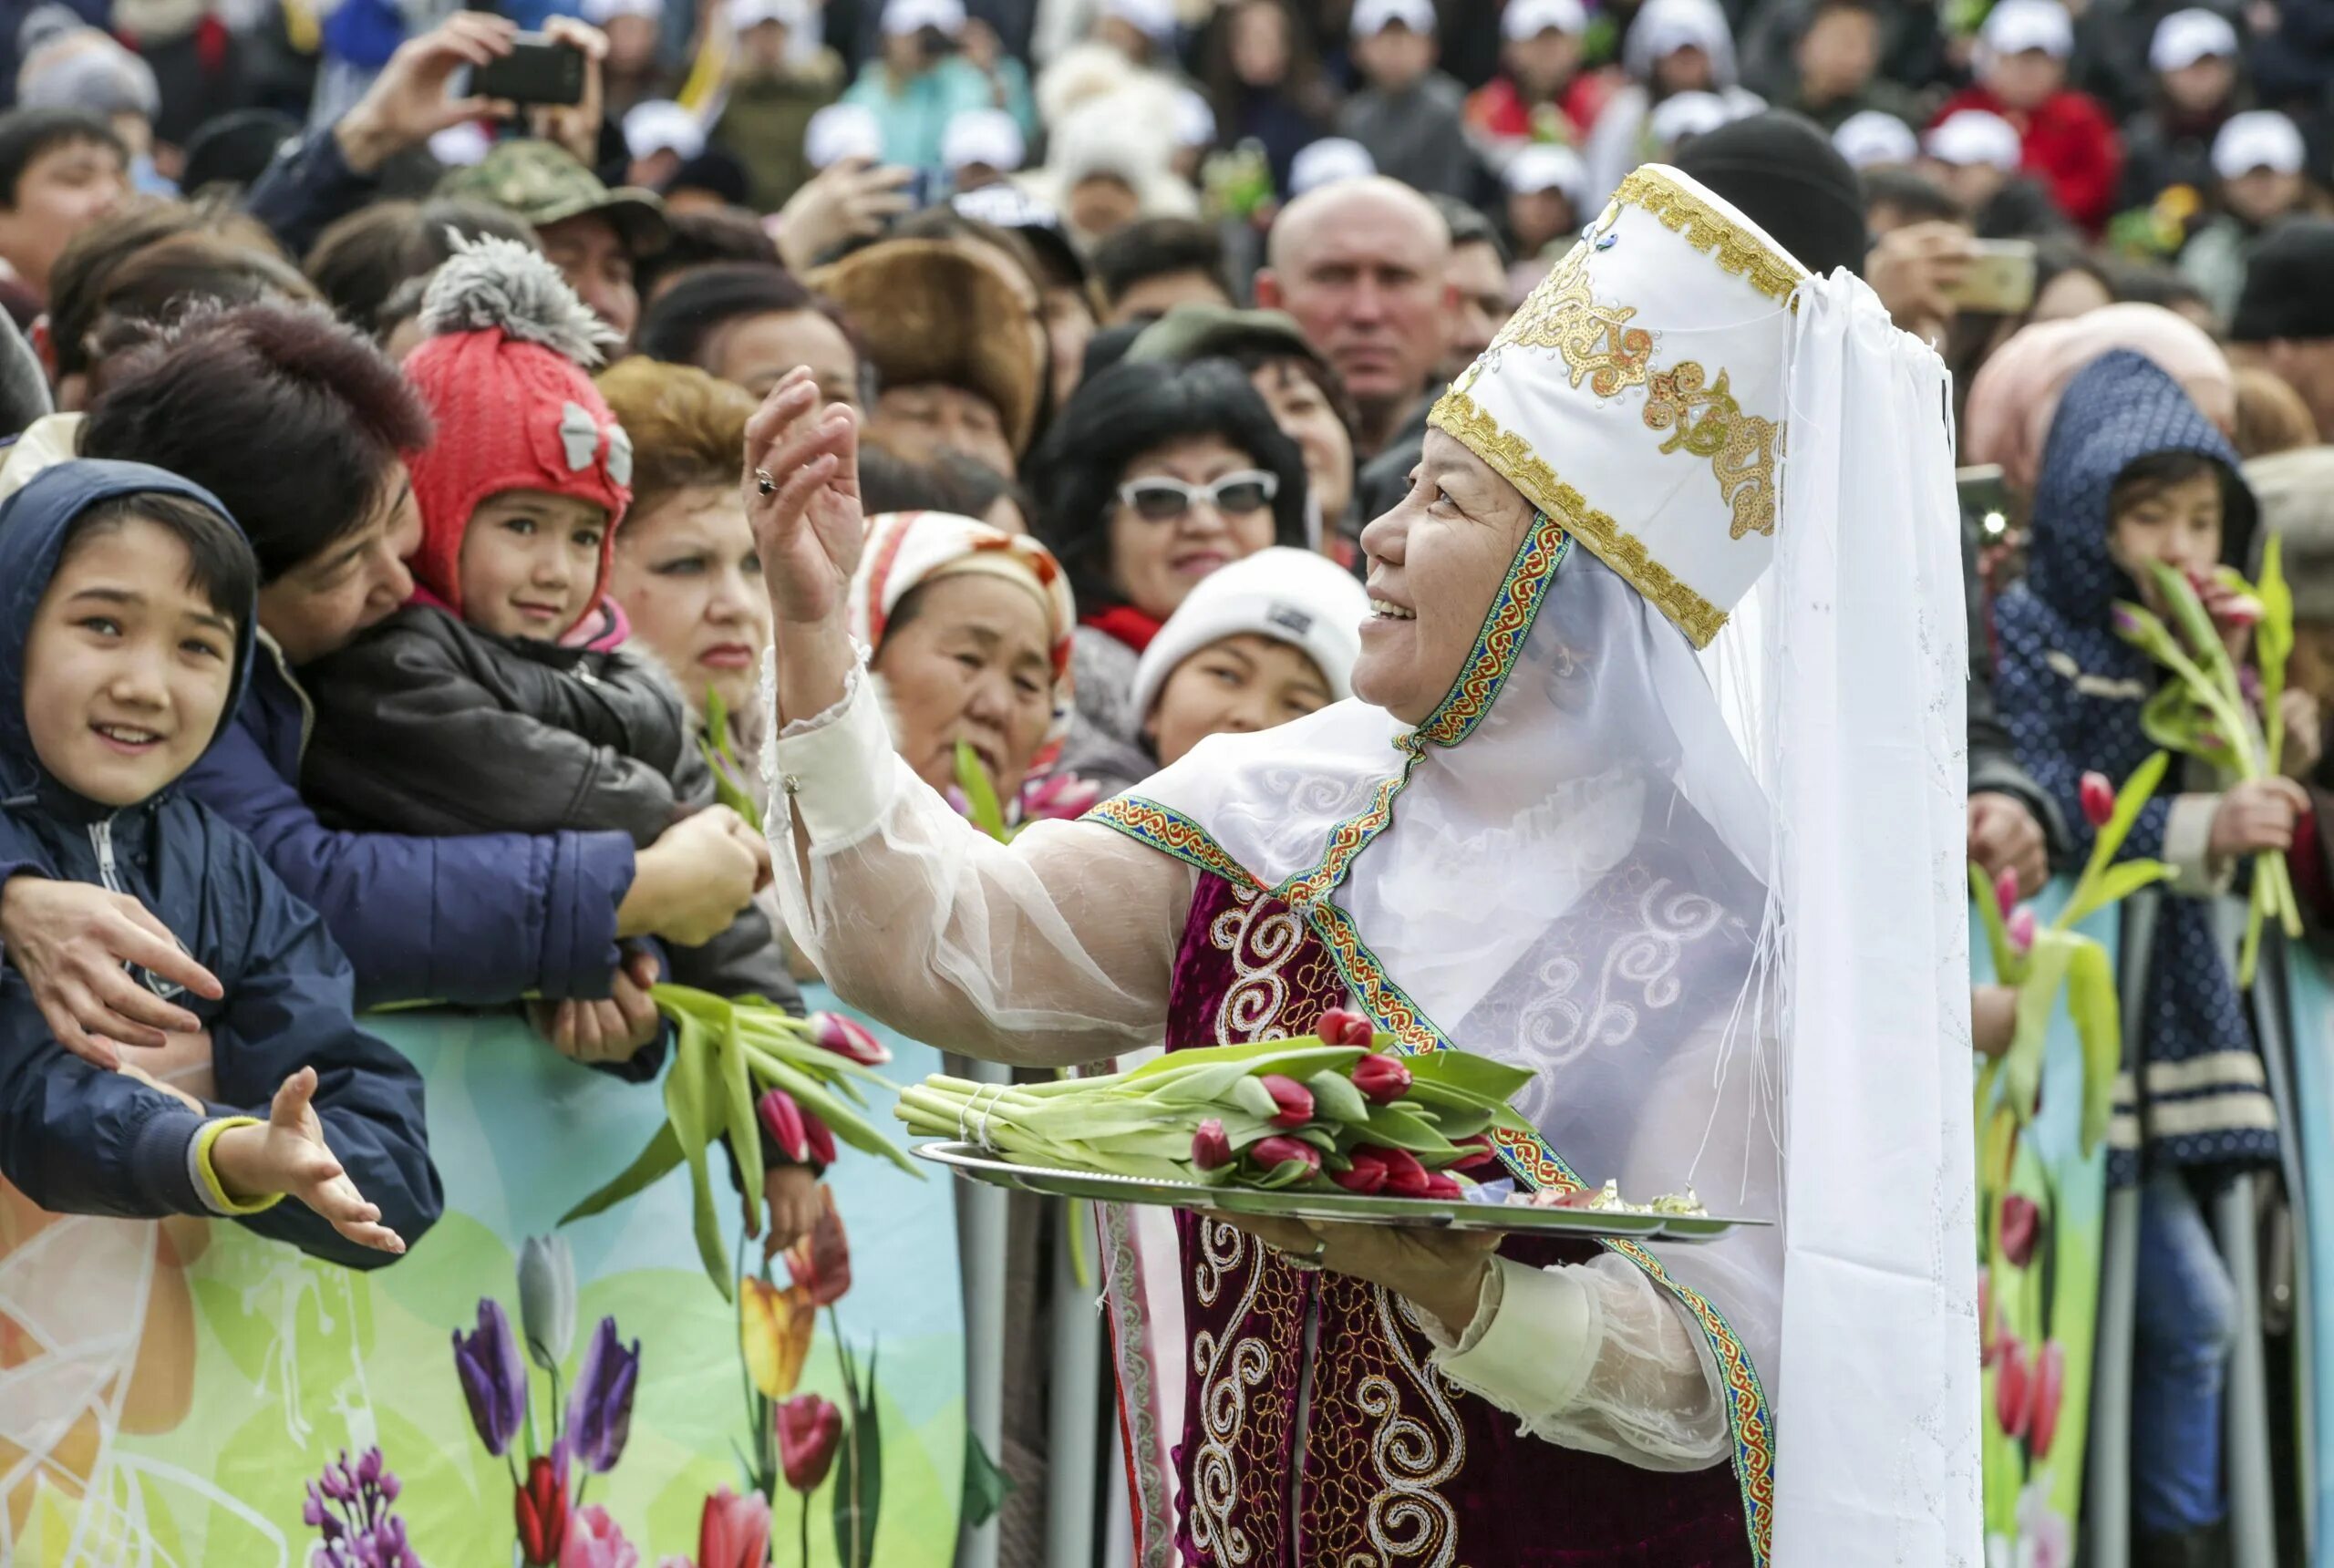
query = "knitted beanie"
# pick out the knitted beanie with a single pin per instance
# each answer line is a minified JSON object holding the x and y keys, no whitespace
{"x":504,"y":375}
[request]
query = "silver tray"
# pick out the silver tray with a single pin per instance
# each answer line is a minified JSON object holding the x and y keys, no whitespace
{"x":971,"y":1161}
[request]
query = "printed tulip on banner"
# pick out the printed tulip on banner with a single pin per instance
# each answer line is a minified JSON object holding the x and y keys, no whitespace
{"x":599,"y":1415}
{"x":733,"y":1531}
{"x":493,"y":1378}
{"x":547,"y":1299}
{"x":539,"y":1508}
{"x":809,"y":1431}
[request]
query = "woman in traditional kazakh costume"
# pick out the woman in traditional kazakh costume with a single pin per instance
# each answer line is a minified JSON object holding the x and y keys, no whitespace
{"x":1721,"y":915}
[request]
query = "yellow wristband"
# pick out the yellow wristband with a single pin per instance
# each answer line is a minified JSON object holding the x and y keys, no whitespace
{"x":214,"y":1189}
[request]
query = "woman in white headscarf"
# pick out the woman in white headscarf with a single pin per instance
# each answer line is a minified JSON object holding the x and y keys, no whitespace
{"x":1540,"y":832}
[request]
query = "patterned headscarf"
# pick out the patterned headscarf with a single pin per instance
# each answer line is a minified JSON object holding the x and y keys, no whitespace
{"x":906,"y":550}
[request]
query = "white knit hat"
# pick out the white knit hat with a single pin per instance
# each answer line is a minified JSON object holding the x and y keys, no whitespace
{"x":1292,"y":596}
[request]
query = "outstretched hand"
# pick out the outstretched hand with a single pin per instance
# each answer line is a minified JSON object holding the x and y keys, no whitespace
{"x":811,"y":527}
{"x":286,"y":1153}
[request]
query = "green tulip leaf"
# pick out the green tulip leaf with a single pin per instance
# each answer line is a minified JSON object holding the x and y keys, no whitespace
{"x":650,"y":1166}
{"x":1335,"y":1097}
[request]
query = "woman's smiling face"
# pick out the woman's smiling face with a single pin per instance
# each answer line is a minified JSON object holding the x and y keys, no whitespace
{"x":1436,"y":562}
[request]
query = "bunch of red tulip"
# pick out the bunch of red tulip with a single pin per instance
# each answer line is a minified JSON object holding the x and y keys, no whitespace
{"x":1337,"y":1109}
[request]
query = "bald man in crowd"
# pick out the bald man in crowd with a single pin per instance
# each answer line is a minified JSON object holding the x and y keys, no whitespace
{"x":1362,"y":264}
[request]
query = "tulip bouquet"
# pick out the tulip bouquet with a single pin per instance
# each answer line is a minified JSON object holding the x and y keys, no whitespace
{"x":1329,"y":1111}
{"x":589,"y":1430}
{"x":2211,"y":711}
{"x":722,"y":1050}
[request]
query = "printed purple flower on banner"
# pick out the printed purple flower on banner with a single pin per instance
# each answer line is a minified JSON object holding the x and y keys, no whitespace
{"x":599,"y":1416}
{"x":495,"y":1379}
{"x":348,"y":1505}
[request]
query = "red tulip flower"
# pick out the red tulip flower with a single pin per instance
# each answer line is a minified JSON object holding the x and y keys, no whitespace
{"x":2021,"y":929}
{"x":820,"y":1262}
{"x":1382,"y":1078}
{"x":810,"y":1429}
{"x":1295,"y":1100}
{"x":2021,"y":1228}
{"x":1210,"y":1149}
{"x":733,"y":1531}
{"x":2050,"y":1391}
{"x":2014,"y":1390}
{"x":540,"y":1507}
{"x":2097,"y":800}
{"x":1442,"y":1185}
{"x":1405,"y":1177}
{"x":783,"y":1127}
{"x":847,"y":1037}
{"x":1272,"y":1153}
{"x":1480,"y":1153}
{"x":1364,"y":1175}
{"x":1344,"y":1026}
{"x":2006,"y":892}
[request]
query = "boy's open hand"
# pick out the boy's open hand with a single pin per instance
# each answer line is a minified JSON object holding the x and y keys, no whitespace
{"x":286,"y":1153}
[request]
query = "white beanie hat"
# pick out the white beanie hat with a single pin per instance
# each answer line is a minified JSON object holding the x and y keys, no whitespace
{"x":1292,"y":596}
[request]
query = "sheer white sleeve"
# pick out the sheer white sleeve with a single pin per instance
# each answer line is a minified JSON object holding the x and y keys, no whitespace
{"x":1054,"y":949}
{"x":1594,"y":1357}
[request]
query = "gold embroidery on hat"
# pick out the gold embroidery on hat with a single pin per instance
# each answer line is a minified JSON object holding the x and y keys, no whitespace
{"x":1457,"y":416}
{"x":1597,"y":344}
{"x":1736,"y":249}
{"x":1708,"y":423}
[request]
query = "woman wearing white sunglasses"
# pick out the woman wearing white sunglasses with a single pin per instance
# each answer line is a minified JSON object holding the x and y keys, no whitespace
{"x":1152,"y":477}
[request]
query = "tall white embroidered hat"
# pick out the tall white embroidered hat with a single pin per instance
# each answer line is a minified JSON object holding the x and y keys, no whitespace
{"x":1637,"y":397}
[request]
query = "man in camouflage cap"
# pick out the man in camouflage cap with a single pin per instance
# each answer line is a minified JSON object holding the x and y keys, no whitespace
{"x":592,"y":233}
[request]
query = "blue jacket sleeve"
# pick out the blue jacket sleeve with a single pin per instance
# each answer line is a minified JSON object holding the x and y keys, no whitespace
{"x":307,"y":189}
{"x":79,"y":1141}
{"x":2048,"y":721}
{"x":290,"y":1006}
{"x":477,"y":920}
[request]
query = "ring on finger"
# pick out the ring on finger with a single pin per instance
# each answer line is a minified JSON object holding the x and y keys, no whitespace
{"x":764,"y":483}
{"x":1309,"y":1262}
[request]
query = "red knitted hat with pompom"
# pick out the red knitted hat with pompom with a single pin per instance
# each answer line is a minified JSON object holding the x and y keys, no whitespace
{"x":504,"y":375}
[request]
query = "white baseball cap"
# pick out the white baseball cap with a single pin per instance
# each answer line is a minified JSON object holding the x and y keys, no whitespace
{"x":1008,"y":206}
{"x":904,"y":16}
{"x":660,"y":125}
{"x":2186,"y":37}
{"x":988,"y":136}
{"x":600,"y":12}
{"x":1327,"y":162}
{"x":2014,"y":27}
{"x":1540,"y":166}
{"x":1195,"y":120}
{"x":1154,"y":19}
{"x":1530,"y":18}
{"x":1290,"y":595}
{"x":749,"y":13}
{"x":1971,"y":137}
{"x":1371,"y":17}
{"x":842,"y":130}
{"x":459,"y":146}
{"x":1682,"y":114}
{"x":2259,"y":139}
{"x":1873,"y":138}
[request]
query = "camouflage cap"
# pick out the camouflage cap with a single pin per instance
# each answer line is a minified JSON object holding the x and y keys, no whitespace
{"x":540,"y":182}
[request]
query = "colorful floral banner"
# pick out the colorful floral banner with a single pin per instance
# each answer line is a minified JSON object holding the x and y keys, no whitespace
{"x":2041,"y":1205}
{"x":186,"y":1393}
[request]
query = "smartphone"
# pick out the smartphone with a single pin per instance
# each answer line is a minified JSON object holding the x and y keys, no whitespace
{"x":537,"y":70}
{"x":2001,"y":278}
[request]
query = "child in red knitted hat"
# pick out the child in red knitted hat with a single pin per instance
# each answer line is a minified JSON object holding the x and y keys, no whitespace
{"x":477,"y":708}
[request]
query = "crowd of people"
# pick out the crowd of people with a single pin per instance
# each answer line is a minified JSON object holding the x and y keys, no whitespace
{"x":382,"y":623}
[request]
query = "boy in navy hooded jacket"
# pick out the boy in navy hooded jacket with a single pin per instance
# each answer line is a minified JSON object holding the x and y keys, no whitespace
{"x":2133,"y":474}
{"x":126,"y":635}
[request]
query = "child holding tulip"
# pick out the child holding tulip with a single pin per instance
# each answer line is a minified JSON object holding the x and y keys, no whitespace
{"x":2133,"y":474}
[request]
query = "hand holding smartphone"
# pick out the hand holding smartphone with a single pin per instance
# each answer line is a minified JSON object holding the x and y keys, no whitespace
{"x":539,"y":69}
